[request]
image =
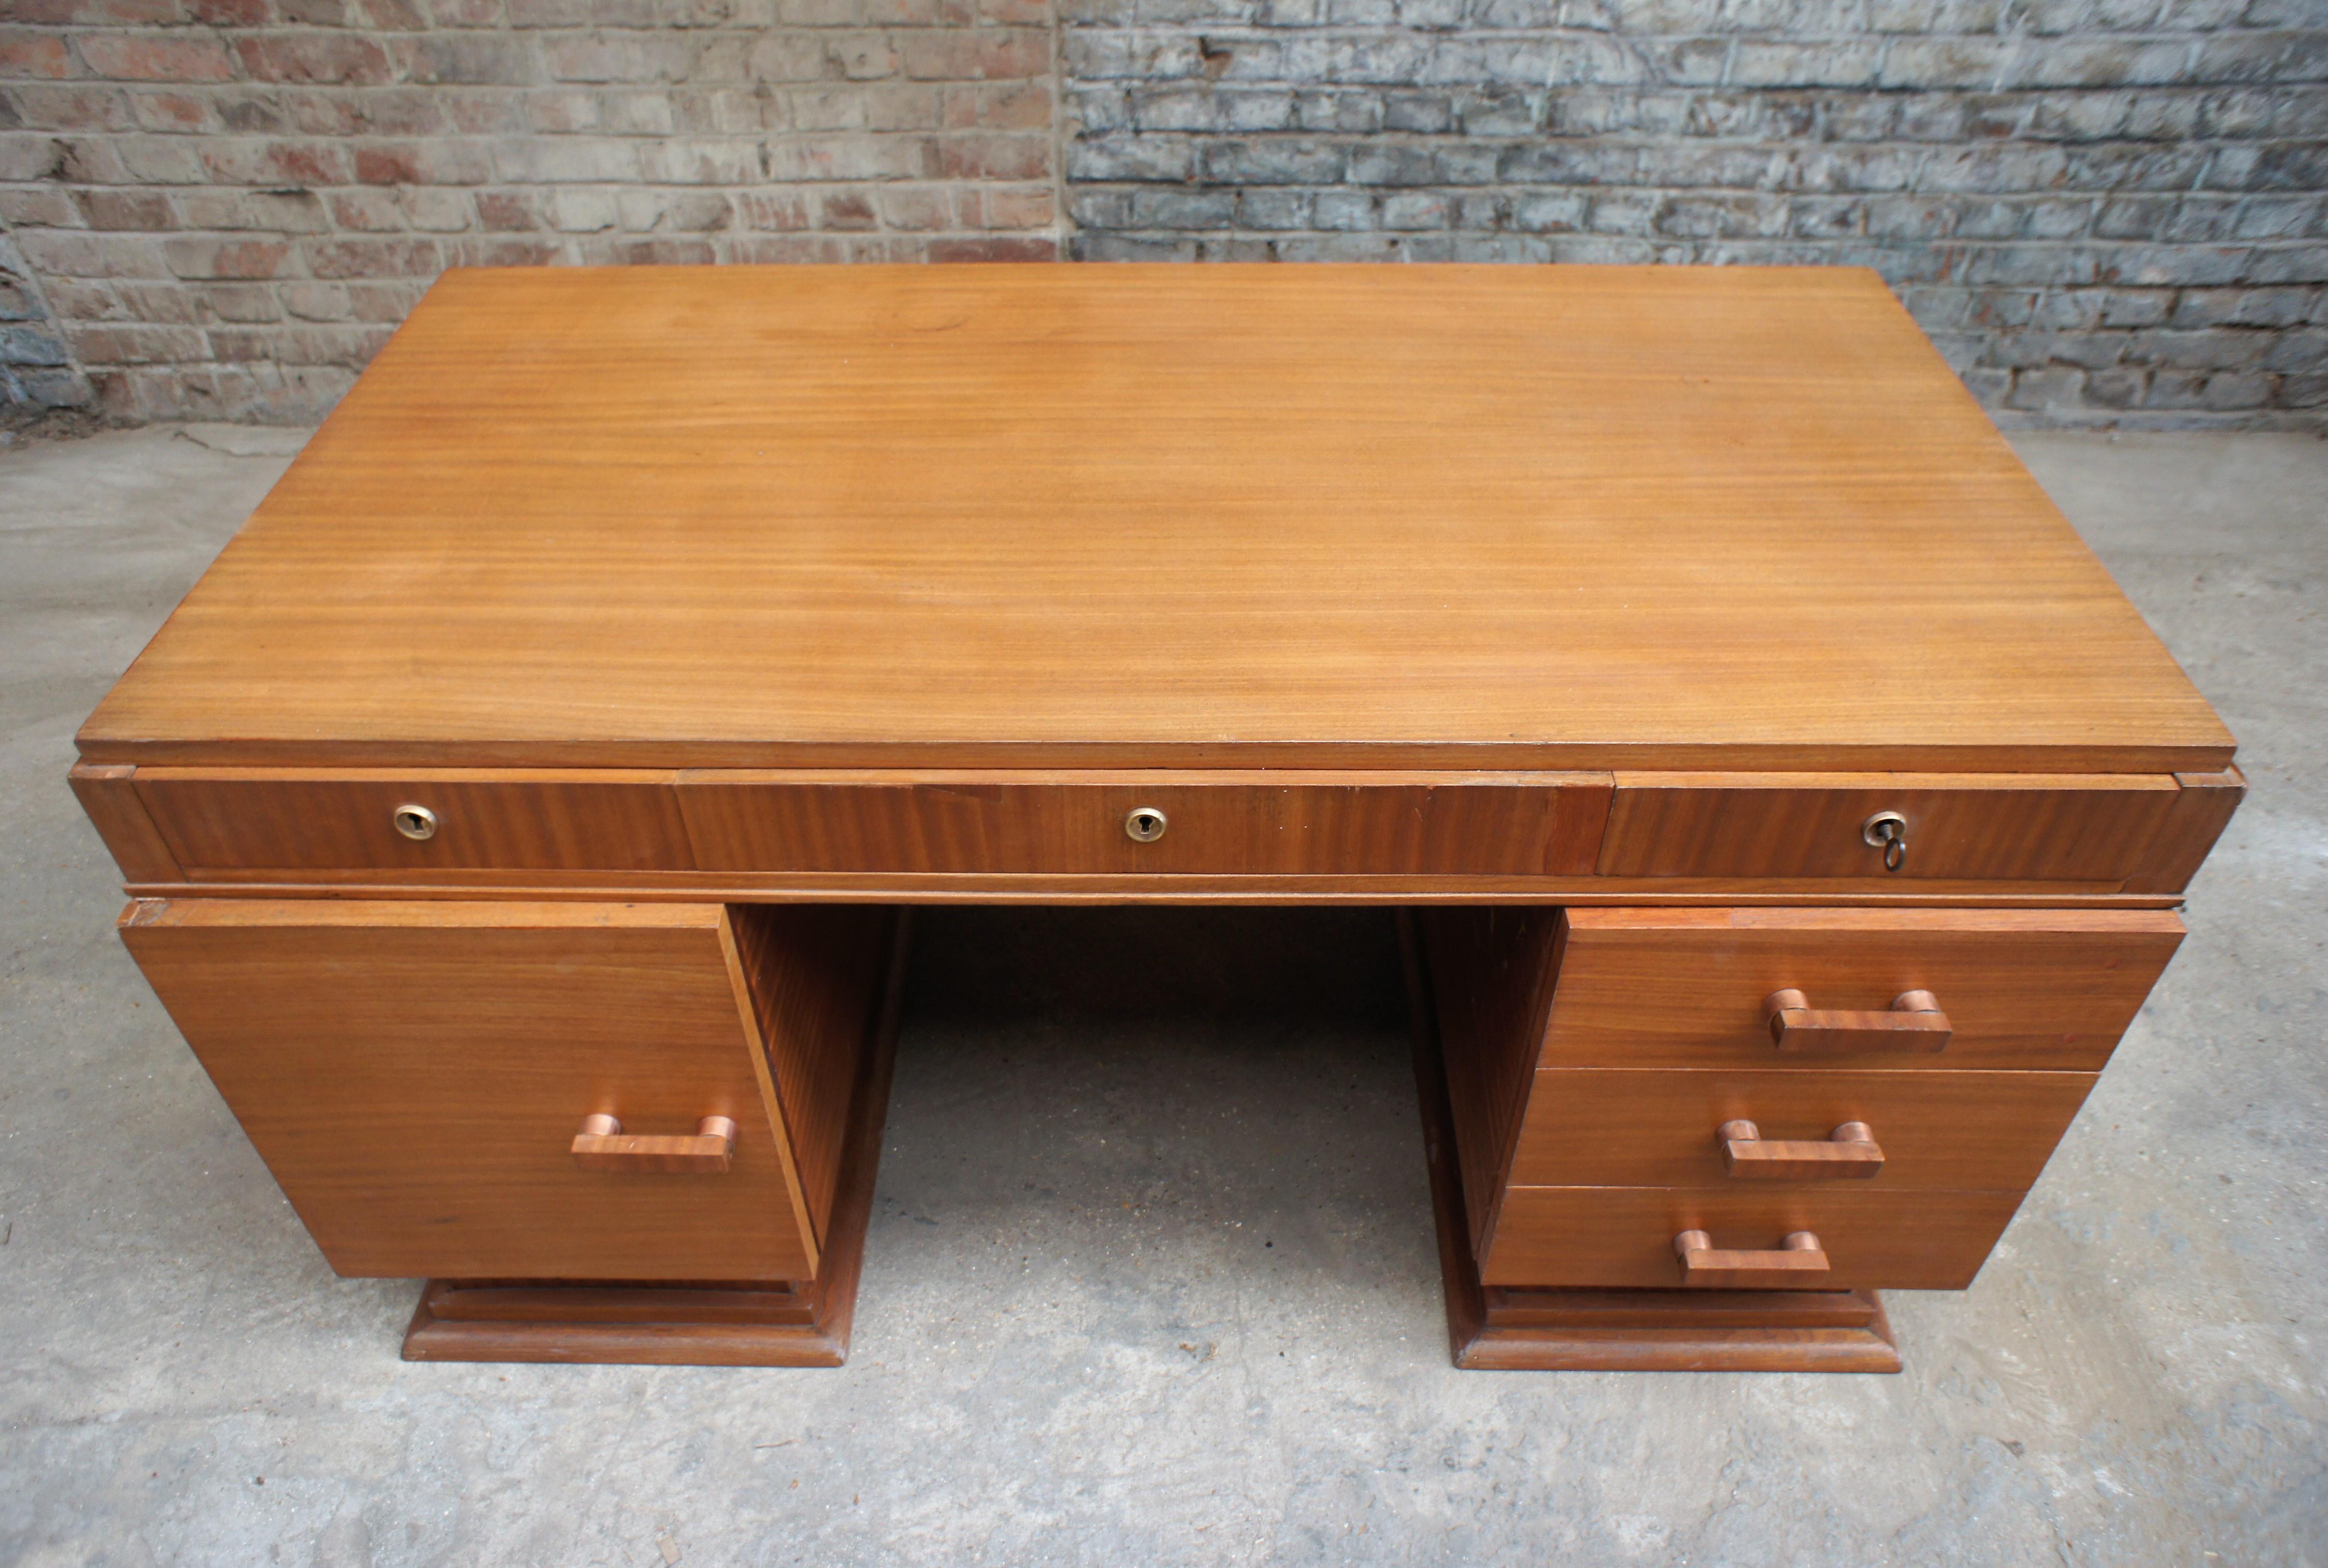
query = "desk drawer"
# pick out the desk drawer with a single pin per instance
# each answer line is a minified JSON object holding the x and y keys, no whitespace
{"x":1686,"y":988}
{"x":2082,"y":830}
{"x":1588,"y":1126}
{"x":254,"y":820}
{"x":1287,"y":823}
{"x":415,"y":1076}
{"x":1624,"y":1236}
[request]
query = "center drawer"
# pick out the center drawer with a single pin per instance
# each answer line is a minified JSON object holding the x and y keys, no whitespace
{"x":970,"y":822}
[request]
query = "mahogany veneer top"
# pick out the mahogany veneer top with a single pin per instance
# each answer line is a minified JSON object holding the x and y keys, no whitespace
{"x":1452,"y":516}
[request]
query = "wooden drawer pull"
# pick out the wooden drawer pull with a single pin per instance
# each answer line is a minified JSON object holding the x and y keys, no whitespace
{"x":1914,"y":1023}
{"x":1796,"y":1265}
{"x":1849,"y":1152}
{"x":602,"y":1145}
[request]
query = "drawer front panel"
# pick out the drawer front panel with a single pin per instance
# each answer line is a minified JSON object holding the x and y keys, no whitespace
{"x":413,"y":1075}
{"x":1938,"y":1130}
{"x":1227,"y":824}
{"x":250,"y":819}
{"x":2049,"y":990}
{"x":2075,"y":829}
{"x":1624,"y":1236}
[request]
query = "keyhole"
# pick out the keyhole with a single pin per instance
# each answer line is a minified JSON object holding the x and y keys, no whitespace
{"x":415,"y":821}
{"x":1887,"y":831}
{"x":1145,"y":825}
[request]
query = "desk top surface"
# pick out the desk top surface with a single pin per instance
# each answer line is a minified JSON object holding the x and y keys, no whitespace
{"x":1160,"y":516}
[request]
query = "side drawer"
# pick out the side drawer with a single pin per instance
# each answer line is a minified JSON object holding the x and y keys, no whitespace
{"x":1587,"y":1126}
{"x":2050,"y":989}
{"x":1624,"y":1236}
{"x":2080,"y":829}
{"x":1231,"y":823}
{"x":245,"y":820}
{"x":415,"y":1075}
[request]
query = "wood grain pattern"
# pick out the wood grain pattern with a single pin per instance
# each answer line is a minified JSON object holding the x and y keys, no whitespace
{"x":260,"y":820}
{"x":2201,"y":810}
{"x":2094,"y":829}
{"x":108,"y":793}
{"x":1158,"y":516}
{"x":1683,"y":988}
{"x":412,"y":1074}
{"x":1265,"y":823}
{"x":1491,"y":977}
{"x":1624,"y":1235}
{"x":1629,"y":1127}
{"x":812,"y":974}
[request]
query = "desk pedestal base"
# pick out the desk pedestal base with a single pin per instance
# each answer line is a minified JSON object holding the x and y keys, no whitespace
{"x":1494,"y":1328}
{"x":664,"y":1323}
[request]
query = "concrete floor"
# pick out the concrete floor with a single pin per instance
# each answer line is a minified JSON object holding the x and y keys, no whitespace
{"x":1151,"y":1277}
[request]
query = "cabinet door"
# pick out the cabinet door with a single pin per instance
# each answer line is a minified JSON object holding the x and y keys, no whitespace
{"x":415,"y":1075}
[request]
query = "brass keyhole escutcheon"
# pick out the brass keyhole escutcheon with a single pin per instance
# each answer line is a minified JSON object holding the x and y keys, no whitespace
{"x":1144,"y":824}
{"x":415,"y":822}
{"x":1887,"y":831}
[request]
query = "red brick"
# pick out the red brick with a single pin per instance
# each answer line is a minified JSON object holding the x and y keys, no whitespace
{"x":1034,"y":209}
{"x":208,"y":257}
{"x":316,"y":301}
{"x":171,"y":111}
{"x":71,"y":108}
{"x":93,"y":13}
{"x":502,"y":252}
{"x":994,"y":158}
{"x":995,"y":247}
{"x":373,"y":258}
{"x":395,"y":15}
{"x":1019,"y":106}
{"x":387,"y":166}
{"x":846,"y":210}
{"x":772,"y":210}
{"x":236,"y":301}
{"x":388,"y":302}
{"x":135,"y":345}
{"x":34,"y":54}
{"x":38,"y":207}
{"x":366,"y":211}
{"x":313,"y":57}
{"x":229,"y":13}
{"x":74,"y":300}
{"x":787,"y":250}
{"x":151,"y":57}
{"x":304,"y":163}
{"x":664,"y":253}
{"x":507,"y":211}
{"x":979,"y":56}
{"x":118,"y":209}
{"x":172,"y":303}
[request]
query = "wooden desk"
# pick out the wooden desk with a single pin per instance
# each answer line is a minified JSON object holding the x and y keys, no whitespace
{"x":1795,"y":809}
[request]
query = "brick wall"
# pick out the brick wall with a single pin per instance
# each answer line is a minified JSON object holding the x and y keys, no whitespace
{"x":2104,"y":211}
{"x":228,"y":204}
{"x":2099,"y":208}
